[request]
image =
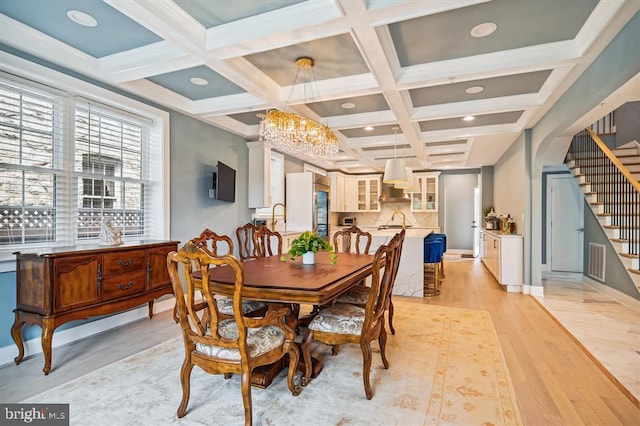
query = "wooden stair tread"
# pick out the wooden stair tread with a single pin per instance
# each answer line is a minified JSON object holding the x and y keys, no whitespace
{"x":630,"y":256}
{"x":634,"y":271}
{"x":622,"y":240}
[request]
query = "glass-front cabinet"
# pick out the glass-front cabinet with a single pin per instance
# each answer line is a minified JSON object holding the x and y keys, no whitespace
{"x":368,"y":193}
{"x":426,"y":199}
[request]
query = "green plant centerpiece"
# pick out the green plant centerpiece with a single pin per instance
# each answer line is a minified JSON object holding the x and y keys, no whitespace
{"x":310,"y":242}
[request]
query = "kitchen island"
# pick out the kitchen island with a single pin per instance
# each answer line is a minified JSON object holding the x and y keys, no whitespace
{"x":410,"y":278}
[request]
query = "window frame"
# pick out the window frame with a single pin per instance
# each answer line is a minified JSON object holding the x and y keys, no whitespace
{"x":158,"y":200}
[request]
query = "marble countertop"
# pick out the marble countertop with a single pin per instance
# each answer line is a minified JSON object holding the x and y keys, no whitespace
{"x":499,"y":233}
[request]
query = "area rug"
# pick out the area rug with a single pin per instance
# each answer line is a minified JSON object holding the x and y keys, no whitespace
{"x":446,"y":368}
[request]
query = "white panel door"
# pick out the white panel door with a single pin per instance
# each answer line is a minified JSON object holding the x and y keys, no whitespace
{"x":566,"y":225}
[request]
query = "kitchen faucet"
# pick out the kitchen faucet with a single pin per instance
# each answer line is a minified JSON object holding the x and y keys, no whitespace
{"x":273,"y":215}
{"x":404,"y":218}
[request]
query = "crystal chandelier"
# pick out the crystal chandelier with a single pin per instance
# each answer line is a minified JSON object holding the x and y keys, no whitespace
{"x":295,"y":134}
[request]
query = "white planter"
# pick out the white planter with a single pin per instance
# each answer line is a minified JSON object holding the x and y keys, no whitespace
{"x":309,"y":258}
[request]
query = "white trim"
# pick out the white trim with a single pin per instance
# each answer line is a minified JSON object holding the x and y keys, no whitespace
{"x":517,"y":288}
{"x":533,"y":290}
{"x":73,"y":334}
{"x":616,"y":295}
{"x":314,"y":169}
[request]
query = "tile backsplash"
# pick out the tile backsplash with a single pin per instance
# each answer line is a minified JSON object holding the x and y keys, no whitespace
{"x":383,"y":217}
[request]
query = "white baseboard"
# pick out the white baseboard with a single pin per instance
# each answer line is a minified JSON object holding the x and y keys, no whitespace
{"x":545,"y":267}
{"x":616,"y":295}
{"x":69,"y":335}
{"x":533,"y":290}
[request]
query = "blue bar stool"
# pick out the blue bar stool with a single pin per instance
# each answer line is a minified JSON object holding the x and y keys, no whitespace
{"x":432,"y":257}
{"x":444,"y":238}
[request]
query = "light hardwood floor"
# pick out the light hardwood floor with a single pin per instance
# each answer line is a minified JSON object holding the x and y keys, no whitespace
{"x":555,"y":381}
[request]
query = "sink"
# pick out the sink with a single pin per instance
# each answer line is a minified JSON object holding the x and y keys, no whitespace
{"x":392,"y":227}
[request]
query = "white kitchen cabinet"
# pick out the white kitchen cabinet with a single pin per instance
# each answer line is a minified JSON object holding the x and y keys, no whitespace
{"x":287,"y":238}
{"x":426,"y":199}
{"x":263,"y":177}
{"x":502,"y":254}
{"x":368,"y":192}
{"x":343,"y":192}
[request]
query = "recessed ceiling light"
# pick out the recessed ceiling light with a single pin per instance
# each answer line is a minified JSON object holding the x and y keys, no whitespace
{"x":199,"y":81}
{"x":348,"y":105}
{"x":368,"y":128}
{"x":474,"y":89}
{"x":82,"y":18}
{"x":469,"y":118}
{"x":483,"y":30}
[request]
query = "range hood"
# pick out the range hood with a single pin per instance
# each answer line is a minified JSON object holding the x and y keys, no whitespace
{"x":389,"y":194}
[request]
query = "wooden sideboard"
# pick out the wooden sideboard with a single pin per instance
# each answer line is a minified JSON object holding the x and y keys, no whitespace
{"x":70,"y":283}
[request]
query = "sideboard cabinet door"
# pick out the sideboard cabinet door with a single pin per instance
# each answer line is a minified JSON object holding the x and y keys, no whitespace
{"x":78,"y":280}
{"x":157,"y":273}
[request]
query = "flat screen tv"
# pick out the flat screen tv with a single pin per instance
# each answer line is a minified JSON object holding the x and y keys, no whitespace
{"x":224,"y":183}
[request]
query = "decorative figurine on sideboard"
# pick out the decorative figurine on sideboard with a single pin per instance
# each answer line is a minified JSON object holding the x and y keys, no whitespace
{"x":108,"y":235}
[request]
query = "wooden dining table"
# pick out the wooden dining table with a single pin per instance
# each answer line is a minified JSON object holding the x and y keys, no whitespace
{"x":270,"y":279}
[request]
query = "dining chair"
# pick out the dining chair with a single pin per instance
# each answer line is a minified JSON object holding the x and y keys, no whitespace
{"x":267,"y":242}
{"x":211,"y":242}
{"x":359,"y":295}
{"x":246,"y":247}
{"x":343,"y":323}
{"x":226,"y":346}
{"x":342,"y":240}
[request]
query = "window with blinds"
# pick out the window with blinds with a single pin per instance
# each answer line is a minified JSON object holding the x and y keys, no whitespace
{"x":66,"y":165}
{"x":108,"y":163}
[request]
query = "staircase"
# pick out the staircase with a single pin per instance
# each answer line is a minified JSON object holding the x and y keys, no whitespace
{"x":610,"y":182}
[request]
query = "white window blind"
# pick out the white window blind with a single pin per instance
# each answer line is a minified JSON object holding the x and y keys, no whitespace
{"x":31,"y":164}
{"x":110,"y":170}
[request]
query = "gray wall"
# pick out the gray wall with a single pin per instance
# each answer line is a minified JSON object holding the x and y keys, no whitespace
{"x":486,"y":194}
{"x":627,"y":123}
{"x":196,"y":148}
{"x":616,"y":276}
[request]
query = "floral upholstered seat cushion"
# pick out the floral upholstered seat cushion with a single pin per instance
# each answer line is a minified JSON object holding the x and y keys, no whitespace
{"x":225,"y":306}
{"x":357,"y":295}
{"x":259,"y":341}
{"x":340,"y":318}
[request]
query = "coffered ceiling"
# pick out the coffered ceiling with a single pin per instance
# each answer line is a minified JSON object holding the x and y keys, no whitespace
{"x":420,"y":65}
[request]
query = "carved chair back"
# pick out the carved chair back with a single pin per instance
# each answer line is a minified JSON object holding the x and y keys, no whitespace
{"x":342,"y":240}
{"x":212,"y":241}
{"x":267,"y":242}
{"x":246,"y":247}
